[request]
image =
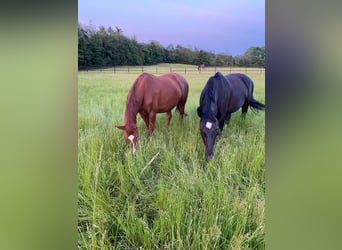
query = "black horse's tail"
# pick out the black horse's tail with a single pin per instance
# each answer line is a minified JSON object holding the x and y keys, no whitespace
{"x":256,"y":105}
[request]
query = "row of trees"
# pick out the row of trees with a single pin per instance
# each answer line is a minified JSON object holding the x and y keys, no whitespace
{"x":108,"y":47}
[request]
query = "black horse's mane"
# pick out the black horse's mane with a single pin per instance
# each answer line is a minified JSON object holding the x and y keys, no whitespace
{"x":210,"y":97}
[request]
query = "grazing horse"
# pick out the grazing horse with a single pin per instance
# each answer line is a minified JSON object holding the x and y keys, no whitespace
{"x":150,"y":95}
{"x":201,"y":67}
{"x":221,"y":96}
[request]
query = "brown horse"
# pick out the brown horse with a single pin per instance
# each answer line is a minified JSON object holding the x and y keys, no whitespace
{"x":201,"y":67}
{"x":150,"y":95}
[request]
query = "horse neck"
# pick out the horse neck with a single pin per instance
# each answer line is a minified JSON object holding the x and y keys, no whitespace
{"x":132,"y":108}
{"x":130,"y":117}
{"x":210,"y":110}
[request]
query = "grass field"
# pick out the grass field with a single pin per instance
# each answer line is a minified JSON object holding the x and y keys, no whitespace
{"x":167,"y":196}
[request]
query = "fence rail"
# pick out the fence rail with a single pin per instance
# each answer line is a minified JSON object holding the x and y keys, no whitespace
{"x":156,"y":69}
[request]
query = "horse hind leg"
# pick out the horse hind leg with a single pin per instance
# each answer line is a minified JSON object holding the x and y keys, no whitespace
{"x":244,"y":110}
{"x":181,"y":109}
{"x":168,"y":118}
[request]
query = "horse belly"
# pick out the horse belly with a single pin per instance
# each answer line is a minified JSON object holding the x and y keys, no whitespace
{"x":166,"y":105}
{"x":236,"y":103}
{"x":234,"y":108}
{"x":166,"y":101}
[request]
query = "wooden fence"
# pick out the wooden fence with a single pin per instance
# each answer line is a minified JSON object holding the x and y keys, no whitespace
{"x":156,"y":69}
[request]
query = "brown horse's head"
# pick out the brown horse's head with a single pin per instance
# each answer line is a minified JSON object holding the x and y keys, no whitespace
{"x":131,"y":134}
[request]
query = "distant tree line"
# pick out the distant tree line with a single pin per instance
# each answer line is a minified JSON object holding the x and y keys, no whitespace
{"x":108,"y":47}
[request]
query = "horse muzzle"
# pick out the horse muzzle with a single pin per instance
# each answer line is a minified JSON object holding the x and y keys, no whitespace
{"x":209,"y":157}
{"x":131,"y":139}
{"x":209,"y":154}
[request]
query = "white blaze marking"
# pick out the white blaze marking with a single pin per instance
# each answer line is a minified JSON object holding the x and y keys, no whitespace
{"x":131,"y":137}
{"x":208,"y":125}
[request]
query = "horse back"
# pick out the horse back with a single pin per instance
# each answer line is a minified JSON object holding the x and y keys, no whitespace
{"x":240,"y":84}
{"x":183,"y":84}
{"x":161,"y":93}
{"x":239,"y":91}
{"x":226,"y":93}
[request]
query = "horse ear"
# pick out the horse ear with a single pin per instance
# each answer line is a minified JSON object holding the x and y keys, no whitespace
{"x":199,"y":111}
{"x":120,"y":127}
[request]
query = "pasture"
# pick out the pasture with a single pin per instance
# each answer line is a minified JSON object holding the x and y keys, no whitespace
{"x":167,"y":196}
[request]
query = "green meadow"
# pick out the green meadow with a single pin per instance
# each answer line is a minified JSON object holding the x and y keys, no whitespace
{"x":167,"y":196}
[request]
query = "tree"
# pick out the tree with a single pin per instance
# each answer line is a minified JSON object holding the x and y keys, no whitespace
{"x":255,"y":56}
{"x":240,"y":61}
{"x":200,"y":57}
{"x":222,"y":59}
{"x":104,"y":47}
{"x":82,"y":46}
{"x":170,"y":54}
{"x":184,"y":55}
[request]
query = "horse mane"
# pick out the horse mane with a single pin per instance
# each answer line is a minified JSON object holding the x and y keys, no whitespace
{"x":131,"y":97}
{"x":133,"y":102}
{"x":212,"y":85}
{"x":209,"y":97}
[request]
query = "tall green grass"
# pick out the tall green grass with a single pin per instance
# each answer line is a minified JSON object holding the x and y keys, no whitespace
{"x":167,"y":196}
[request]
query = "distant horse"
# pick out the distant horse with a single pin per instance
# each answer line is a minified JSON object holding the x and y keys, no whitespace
{"x":150,"y":95}
{"x":221,"y":96}
{"x":201,"y":67}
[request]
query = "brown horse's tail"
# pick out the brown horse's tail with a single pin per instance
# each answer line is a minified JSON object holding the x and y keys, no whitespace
{"x":180,"y":108}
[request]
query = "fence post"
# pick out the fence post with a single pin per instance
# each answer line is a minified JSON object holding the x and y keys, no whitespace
{"x":114,"y":69}
{"x":156,"y":69}
{"x":170,"y":69}
{"x":142,"y":68}
{"x":185,"y":70}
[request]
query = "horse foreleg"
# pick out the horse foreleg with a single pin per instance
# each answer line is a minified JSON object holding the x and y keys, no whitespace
{"x":227,"y":119}
{"x":145,"y":119}
{"x":221,"y":123}
{"x":152,"y":120}
{"x":168,"y":118}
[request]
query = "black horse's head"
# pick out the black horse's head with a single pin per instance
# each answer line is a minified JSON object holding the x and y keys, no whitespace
{"x":209,"y":129}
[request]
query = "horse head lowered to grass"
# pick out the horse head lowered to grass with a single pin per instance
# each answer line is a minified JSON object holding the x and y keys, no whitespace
{"x":150,"y":95}
{"x":221,"y":96}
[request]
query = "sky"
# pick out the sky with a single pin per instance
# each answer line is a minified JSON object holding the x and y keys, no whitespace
{"x":219,"y":26}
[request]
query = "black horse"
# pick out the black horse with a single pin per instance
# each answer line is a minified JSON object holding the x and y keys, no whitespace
{"x":221,"y":96}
